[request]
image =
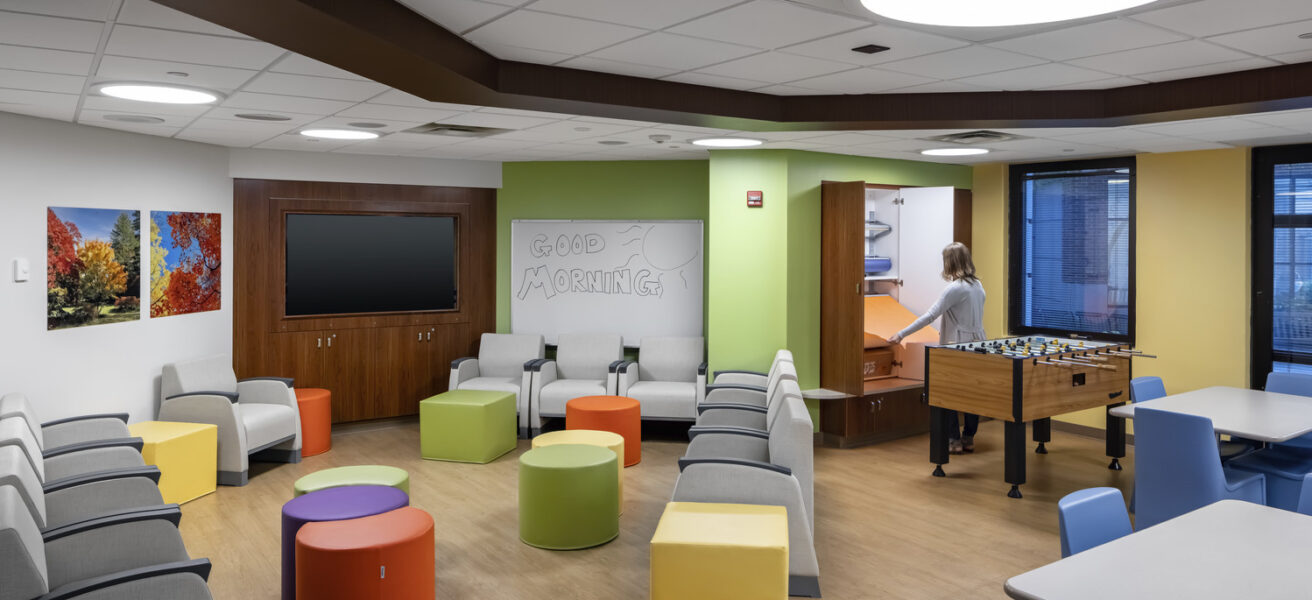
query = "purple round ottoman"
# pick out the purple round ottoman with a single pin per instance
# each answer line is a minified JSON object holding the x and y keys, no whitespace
{"x":332,"y":504}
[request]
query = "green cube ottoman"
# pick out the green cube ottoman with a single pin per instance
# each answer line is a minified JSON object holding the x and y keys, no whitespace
{"x":467,"y":426}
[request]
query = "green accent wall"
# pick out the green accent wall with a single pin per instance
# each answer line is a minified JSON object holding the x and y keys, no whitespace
{"x":675,"y":189}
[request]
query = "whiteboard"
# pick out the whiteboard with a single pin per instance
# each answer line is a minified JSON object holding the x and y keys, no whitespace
{"x":633,"y":278}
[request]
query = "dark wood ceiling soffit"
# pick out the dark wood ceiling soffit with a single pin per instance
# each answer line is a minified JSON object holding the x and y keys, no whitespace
{"x":388,"y":43}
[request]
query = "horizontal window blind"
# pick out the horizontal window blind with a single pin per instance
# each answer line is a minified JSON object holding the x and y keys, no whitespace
{"x":1291,"y":296}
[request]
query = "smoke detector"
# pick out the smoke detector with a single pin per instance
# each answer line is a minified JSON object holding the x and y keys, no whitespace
{"x":968,"y":138}
{"x":448,"y":129}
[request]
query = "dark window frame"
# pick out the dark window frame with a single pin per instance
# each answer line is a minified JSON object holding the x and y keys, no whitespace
{"x":1261,"y":336}
{"x":1016,"y":245}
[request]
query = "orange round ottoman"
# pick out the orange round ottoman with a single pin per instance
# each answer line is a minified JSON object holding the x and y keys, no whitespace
{"x":616,"y":414}
{"x":316,"y":408}
{"x":389,"y":556}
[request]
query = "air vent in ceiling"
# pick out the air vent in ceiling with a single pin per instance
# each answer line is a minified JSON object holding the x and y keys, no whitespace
{"x":975,"y":137}
{"x":456,"y":130}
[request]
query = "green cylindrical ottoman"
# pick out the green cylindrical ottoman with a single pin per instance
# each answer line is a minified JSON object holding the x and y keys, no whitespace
{"x":356,"y":475}
{"x":568,"y":497}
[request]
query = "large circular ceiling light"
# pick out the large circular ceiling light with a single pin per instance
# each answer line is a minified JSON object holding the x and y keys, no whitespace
{"x":339,"y":134}
{"x":997,"y":13}
{"x":159,"y":93}
{"x":728,"y":142}
{"x":954,"y":151}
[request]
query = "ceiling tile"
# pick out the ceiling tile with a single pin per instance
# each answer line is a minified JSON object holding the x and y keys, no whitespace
{"x":1210,"y":69}
{"x":47,"y":61}
{"x":519,"y":112}
{"x":592,"y":63}
{"x":564,"y":131}
{"x":230,"y":114}
{"x":94,"y":101}
{"x":158,"y":44}
{"x":479,"y":119}
{"x":38,"y":104}
{"x":848,"y":138}
{"x":610,"y":121}
{"x":275,"y":103}
{"x":369,"y":110}
{"x":123,"y":68}
{"x":553,"y":33}
{"x":1195,"y":127}
{"x":794,"y":145}
{"x":1177,"y":55}
{"x":636,"y":13}
{"x":1266,"y":41}
{"x":142,"y":128}
{"x":97,"y":10}
{"x":902,"y":43}
{"x":1116,"y":136}
{"x":937,"y":87}
{"x":50,"y":32}
{"x":315,"y":87}
{"x":1211,"y":17}
{"x":528,"y":55}
{"x":400,"y":98}
{"x":962,"y":62}
{"x":768,"y":24}
{"x":673,"y":51}
{"x":340,"y":122}
{"x":41,"y":82}
{"x":1300,"y":120}
{"x":235,"y":139}
{"x":1294,"y":57}
{"x":97,"y":117}
{"x":862,"y":81}
{"x":1177,"y":145}
{"x":1112,"y":35}
{"x":775,"y":67}
{"x":456,"y":15}
{"x":150,"y":14}
{"x":1101,"y":84}
{"x":1240,"y":135}
{"x":302,"y":65}
{"x":299,"y":142}
{"x":719,"y":81}
{"x":789,"y":90}
{"x":268,"y":129}
{"x":1038,"y":76}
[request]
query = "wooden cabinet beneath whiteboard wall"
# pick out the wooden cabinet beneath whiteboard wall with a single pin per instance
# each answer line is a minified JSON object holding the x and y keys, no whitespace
{"x":879,"y":240}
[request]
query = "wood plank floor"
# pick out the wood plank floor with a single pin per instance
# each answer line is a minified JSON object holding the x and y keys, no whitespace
{"x":884,"y":527}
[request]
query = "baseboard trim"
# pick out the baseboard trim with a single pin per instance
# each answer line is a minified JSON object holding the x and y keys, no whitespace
{"x":1097,"y":433}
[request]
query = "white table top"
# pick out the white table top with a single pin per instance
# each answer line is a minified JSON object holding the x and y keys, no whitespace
{"x":1223,"y":551}
{"x":1256,"y":415}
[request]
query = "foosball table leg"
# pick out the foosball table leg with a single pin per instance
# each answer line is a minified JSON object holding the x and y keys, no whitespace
{"x":1014,"y":455}
{"x":1042,"y":434}
{"x":1115,"y":439}
{"x":938,"y":439}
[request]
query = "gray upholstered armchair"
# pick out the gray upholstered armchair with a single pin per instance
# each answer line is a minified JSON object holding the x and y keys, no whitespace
{"x":503,"y":365}
{"x":584,"y":366}
{"x":72,"y":499}
{"x":253,"y":415}
{"x":70,"y":430}
{"x":757,"y":378}
{"x":668,"y":379}
{"x":136,"y":555}
{"x":70,"y":460}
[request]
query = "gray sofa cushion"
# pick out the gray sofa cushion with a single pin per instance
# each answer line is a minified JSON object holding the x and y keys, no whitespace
{"x":504,"y":354}
{"x":265,"y":423}
{"x":666,"y":399}
{"x":201,"y":375}
{"x":670,"y":358}
{"x":554,"y":395}
{"x":587,"y":356}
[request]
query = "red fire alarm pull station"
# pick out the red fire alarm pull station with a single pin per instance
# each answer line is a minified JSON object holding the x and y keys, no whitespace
{"x":755,"y":199}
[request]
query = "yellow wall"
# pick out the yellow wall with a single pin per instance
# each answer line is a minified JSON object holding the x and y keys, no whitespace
{"x":1193,"y":261}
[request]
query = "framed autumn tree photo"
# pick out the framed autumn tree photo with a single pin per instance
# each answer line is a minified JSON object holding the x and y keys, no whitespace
{"x":93,"y":266}
{"x":186,"y":266}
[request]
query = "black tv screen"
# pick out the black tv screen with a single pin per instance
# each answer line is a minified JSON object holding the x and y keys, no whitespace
{"x":342,"y":264}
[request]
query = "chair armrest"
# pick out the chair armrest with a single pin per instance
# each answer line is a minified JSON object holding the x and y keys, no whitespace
{"x":265,"y":391}
{"x":626,"y":374}
{"x":168,"y":512}
{"x":149,"y":471}
{"x":68,"y":432}
{"x":736,"y":394}
{"x":229,"y":395}
{"x":755,"y":464}
{"x":701,"y":369}
{"x":120,"y":416}
{"x":135,"y":443}
{"x":697,"y":430}
{"x":741,"y":372}
{"x":544,"y":371}
{"x":287,"y":381}
{"x":735,"y":386}
{"x":701,"y":383}
{"x":462,"y":370}
{"x":531,"y":363}
{"x":747,"y":419}
{"x":732,"y":406}
{"x":199,"y":567}
{"x":615,"y":366}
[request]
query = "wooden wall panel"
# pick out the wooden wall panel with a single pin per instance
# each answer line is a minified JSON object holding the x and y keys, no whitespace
{"x":375,"y":365}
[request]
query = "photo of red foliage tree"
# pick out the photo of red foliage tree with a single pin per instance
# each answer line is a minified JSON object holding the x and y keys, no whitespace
{"x":186,"y":262}
{"x":93,"y":266}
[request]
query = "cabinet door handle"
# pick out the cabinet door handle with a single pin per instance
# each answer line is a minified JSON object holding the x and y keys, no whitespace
{"x":330,"y":340}
{"x":318,"y":343}
{"x":429,"y":336}
{"x":420,"y":336}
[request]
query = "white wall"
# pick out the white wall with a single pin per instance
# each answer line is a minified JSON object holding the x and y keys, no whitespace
{"x":250,"y":163}
{"x":101,"y":368}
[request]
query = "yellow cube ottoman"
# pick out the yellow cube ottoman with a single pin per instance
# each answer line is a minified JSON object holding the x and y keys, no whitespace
{"x":589,"y":437}
{"x":186,"y":454}
{"x":707,"y":551}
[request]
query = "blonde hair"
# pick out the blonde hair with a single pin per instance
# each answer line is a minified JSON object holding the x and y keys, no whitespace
{"x":957,"y":264}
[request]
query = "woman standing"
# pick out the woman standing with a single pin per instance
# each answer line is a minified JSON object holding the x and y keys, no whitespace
{"x":962,"y":307}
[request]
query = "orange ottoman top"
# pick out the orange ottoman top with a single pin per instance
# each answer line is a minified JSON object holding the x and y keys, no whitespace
{"x":316,"y":408}
{"x":616,"y":414}
{"x":387,"y":556}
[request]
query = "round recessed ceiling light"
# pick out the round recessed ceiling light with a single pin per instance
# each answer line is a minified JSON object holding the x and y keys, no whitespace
{"x":339,"y":134}
{"x":954,"y":151}
{"x":262,"y":117}
{"x":178,"y":74}
{"x":999,"y":13}
{"x":728,"y":142}
{"x":160,"y":93}
{"x":133,"y":119}
{"x":1305,"y":36}
{"x":368,"y":125}
{"x":612,"y":142}
{"x":582,"y":129}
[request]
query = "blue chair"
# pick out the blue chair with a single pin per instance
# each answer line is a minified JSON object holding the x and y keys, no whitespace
{"x":1143,"y":389}
{"x":1177,"y":469}
{"x":1284,"y":470}
{"x":1298,"y":384}
{"x":1090,"y":518}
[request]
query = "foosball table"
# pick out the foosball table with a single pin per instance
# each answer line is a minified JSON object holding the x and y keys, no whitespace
{"x":1023,"y":380}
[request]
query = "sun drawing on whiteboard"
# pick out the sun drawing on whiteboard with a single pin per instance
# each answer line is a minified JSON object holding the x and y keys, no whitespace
{"x":663,"y":250}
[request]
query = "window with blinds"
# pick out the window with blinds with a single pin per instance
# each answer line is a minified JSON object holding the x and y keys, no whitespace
{"x":1072,"y":249}
{"x":1282,"y":261}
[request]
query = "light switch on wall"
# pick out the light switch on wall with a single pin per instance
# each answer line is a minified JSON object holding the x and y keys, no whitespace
{"x":22,"y":271}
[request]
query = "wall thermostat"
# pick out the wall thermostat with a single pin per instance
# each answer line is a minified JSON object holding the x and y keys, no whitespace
{"x":22,"y":270}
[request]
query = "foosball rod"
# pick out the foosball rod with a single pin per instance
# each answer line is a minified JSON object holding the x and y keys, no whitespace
{"x":1131,"y":354}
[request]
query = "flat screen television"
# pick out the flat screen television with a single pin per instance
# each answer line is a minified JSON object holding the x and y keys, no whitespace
{"x":355,"y":263}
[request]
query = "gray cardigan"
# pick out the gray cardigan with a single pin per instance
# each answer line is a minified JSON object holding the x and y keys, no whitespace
{"x":962,"y":307}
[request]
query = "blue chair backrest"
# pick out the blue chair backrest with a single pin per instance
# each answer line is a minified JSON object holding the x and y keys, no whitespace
{"x":1298,"y":384}
{"x":1091,"y":517}
{"x":1176,"y":466}
{"x":1146,"y":388}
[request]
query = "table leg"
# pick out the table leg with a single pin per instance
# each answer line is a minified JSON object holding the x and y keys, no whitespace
{"x":1014,"y":456}
{"x":1115,"y":438}
{"x":1042,"y":434}
{"x":938,"y":439}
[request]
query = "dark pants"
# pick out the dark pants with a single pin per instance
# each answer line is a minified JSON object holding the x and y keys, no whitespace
{"x":972,"y":425}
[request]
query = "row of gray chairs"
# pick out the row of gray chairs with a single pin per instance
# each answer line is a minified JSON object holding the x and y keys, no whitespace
{"x":81,"y":515}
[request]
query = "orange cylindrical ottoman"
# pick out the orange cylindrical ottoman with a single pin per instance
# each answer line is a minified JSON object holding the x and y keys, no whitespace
{"x":316,"y":407}
{"x":382,"y":557}
{"x":616,"y":414}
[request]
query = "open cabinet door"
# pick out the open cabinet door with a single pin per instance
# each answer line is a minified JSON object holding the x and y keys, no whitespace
{"x":927,"y":224}
{"x":842,"y":264}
